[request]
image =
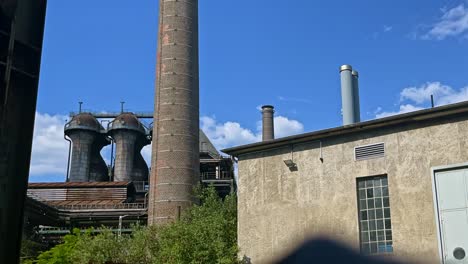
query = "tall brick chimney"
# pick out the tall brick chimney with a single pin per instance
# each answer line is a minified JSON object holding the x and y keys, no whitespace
{"x":175,"y":154}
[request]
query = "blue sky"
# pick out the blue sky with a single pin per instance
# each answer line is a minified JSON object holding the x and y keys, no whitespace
{"x":285,"y":53}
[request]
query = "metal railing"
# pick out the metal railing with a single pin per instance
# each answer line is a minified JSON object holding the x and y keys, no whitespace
{"x":212,"y":175}
{"x":102,"y":206}
{"x":46,"y":230}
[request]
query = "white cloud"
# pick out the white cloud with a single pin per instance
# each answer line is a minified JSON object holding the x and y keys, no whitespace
{"x":49,"y":150}
{"x":417,"y":98}
{"x":454,"y":22}
{"x":146,"y":153}
{"x":443,"y":94}
{"x":403,"y":109}
{"x":229,"y":134}
{"x":423,"y":93}
{"x":387,"y":28}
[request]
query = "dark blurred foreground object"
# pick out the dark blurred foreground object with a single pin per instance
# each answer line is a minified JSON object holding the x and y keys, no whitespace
{"x":21,"y":34}
{"x":327,"y":251}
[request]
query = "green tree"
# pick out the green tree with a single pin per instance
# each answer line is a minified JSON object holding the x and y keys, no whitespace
{"x":207,"y":233}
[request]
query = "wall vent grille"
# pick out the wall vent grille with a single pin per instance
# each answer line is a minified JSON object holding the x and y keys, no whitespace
{"x":369,"y":151}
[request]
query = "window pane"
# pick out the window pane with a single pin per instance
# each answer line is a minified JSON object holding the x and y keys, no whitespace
{"x":369,"y":183}
{"x":363,"y":215}
{"x":381,"y":247}
{"x":387,"y":212}
{"x":380,"y":225}
{"x":380,"y":235}
{"x":386,"y":202}
{"x":372,"y":225}
{"x":378,"y":213}
{"x":373,"y":236}
{"x":370,"y":193}
{"x":385,"y":191}
{"x":377,"y":192}
{"x":388,"y":224}
{"x":366,"y":248}
{"x":362,"y":194}
{"x":384,"y":181}
{"x":370,"y":203}
{"x":377,"y":182}
{"x":365,"y":237}
{"x":388,"y":235}
{"x":371,"y":214}
{"x":361,"y":184}
{"x":373,"y":247}
{"x":364,"y":226}
{"x":389,"y":248}
{"x":362,"y":204}
{"x":378,"y":203}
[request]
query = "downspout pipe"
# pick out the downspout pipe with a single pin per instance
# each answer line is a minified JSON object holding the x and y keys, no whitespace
{"x":69,"y":156}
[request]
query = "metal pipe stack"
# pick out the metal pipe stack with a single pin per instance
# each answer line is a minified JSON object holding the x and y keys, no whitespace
{"x":349,"y":95}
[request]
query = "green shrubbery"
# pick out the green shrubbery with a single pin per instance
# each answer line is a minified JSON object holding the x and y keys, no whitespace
{"x":207,"y":233}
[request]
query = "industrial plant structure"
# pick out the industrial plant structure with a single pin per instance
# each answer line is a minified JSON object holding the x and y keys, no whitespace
{"x":392,"y":186}
{"x":116,"y":194}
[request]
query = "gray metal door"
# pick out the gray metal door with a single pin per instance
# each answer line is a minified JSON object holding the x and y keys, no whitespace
{"x":452,"y":198}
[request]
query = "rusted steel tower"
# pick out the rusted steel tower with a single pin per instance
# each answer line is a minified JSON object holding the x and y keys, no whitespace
{"x":175,"y":154}
{"x":88,"y":138}
{"x":130,"y":137}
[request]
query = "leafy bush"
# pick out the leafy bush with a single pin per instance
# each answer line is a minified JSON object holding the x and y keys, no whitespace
{"x":207,"y":233}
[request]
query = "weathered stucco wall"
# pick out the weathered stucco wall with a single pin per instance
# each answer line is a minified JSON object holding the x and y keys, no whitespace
{"x":279,"y":209}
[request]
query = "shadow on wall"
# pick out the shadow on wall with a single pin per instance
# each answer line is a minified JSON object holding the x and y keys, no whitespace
{"x":323,"y":250}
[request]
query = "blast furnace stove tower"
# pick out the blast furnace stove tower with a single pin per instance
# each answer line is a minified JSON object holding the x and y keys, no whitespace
{"x":130,"y":137}
{"x":88,"y":138}
{"x":175,"y":154}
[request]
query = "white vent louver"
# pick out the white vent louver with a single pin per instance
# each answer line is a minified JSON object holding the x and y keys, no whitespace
{"x":369,"y":151}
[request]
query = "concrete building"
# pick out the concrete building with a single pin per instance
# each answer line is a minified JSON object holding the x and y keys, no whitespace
{"x":392,"y":186}
{"x":21,"y":34}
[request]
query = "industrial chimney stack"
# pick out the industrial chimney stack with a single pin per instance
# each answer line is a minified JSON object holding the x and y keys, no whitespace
{"x":268,"y":131}
{"x":175,"y":154}
{"x":349,"y":95}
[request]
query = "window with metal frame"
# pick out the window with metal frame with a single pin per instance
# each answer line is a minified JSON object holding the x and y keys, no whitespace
{"x":375,"y":226}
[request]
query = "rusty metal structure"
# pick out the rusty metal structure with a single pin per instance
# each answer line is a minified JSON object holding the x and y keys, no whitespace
{"x":88,"y":138}
{"x":21,"y":34}
{"x":130,"y":136}
{"x":119,"y":201}
{"x":175,"y":154}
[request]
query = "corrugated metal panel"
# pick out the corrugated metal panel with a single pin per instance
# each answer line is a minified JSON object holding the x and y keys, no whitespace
{"x":369,"y":151}
{"x":81,"y":194}
{"x":67,"y":185}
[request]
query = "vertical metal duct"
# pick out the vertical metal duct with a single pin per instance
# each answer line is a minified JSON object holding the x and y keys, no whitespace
{"x":175,"y":154}
{"x":268,"y":129}
{"x":357,"y":107}
{"x":347,"y":95}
